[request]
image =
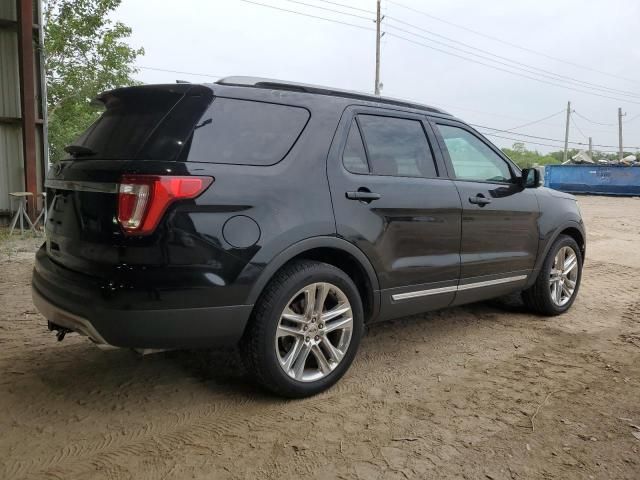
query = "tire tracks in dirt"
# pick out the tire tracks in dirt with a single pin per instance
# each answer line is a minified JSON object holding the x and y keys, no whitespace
{"x":510,"y":384}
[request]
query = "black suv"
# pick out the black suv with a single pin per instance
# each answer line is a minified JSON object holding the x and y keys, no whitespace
{"x":284,"y":217}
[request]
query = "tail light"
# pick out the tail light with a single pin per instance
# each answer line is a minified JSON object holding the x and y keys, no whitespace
{"x":143,"y":199}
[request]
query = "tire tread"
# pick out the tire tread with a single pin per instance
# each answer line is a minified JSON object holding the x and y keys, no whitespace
{"x":252,"y":345}
{"x":536,"y":298}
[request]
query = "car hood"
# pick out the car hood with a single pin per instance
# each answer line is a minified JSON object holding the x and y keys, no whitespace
{"x":559,"y":194}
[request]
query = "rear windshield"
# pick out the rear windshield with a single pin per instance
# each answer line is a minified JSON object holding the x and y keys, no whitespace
{"x":129,"y":126}
{"x":143,"y":123}
{"x":244,"y":132}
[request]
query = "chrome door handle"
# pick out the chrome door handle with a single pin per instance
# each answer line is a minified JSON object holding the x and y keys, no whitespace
{"x":363,"y":195}
{"x":479,"y":200}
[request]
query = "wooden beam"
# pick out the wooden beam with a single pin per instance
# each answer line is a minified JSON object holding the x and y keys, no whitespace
{"x":27,"y":98}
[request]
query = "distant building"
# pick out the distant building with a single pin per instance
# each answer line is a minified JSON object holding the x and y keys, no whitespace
{"x":23,"y":155}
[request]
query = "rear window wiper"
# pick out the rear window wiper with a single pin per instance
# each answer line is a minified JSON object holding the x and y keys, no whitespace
{"x":79,"y":151}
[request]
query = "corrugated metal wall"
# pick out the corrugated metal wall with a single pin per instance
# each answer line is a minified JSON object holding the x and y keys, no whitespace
{"x":11,"y":162}
{"x":8,"y":10}
{"x":12,"y":168}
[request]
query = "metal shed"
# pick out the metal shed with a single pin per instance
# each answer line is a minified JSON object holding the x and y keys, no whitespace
{"x":23,"y":156}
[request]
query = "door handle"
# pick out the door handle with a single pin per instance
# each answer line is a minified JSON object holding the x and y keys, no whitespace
{"x":364,"y":195}
{"x":479,"y":200}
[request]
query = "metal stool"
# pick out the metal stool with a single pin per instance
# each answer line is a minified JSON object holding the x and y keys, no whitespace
{"x":43,"y":213}
{"x":21,"y":198}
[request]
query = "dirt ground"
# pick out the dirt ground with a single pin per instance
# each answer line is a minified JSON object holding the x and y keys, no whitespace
{"x":482,"y":392}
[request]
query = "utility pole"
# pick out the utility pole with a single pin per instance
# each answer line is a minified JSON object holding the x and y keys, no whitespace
{"x":621,"y":152}
{"x":566,"y":133}
{"x":590,"y":149}
{"x":378,"y":37}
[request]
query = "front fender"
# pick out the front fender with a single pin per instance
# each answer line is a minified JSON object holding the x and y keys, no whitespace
{"x":547,"y":241}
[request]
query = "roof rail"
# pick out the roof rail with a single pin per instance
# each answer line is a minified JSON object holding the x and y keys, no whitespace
{"x":268,"y":83}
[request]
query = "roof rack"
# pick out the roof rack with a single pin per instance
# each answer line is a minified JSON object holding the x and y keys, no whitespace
{"x":258,"y":82}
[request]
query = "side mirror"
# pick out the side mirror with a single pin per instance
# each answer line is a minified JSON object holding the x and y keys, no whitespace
{"x":531,"y":178}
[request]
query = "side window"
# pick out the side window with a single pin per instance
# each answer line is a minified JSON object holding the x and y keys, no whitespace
{"x":243,"y":132}
{"x":472,"y":159}
{"x":397,"y":146}
{"x":354,"y":157}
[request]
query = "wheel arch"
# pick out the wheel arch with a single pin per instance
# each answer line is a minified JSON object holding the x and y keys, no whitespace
{"x":571,"y":228}
{"x":335,"y":251}
{"x":577,"y":235}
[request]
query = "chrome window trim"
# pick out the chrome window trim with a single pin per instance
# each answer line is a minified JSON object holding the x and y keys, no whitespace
{"x":82,"y":186}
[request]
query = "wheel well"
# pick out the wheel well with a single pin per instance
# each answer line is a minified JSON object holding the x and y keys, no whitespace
{"x":577,"y":236}
{"x":348,"y":264}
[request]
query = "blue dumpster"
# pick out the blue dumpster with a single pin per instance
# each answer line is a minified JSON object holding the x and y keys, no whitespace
{"x":594,"y":179}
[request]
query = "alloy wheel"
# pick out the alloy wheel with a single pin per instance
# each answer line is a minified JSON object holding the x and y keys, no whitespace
{"x":314,"y":332}
{"x":563,"y":276}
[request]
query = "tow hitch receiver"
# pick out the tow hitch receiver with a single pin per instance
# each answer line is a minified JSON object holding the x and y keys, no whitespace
{"x":60,"y":331}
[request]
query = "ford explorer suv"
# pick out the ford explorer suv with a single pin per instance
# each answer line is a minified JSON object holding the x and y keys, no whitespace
{"x":283,"y":218}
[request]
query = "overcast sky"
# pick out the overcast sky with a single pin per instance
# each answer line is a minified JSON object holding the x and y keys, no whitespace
{"x":232,"y":37}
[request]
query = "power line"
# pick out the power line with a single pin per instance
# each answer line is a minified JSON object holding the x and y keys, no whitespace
{"x":522,"y":134}
{"x":329,"y":9}
{"x":493,"y":114}
{"x":535,"y":143}
{"x":505,"y":42}
{"x":410,"y":41}
{"x":528,"y":68}
{"x":536,"y":121}
{"x":547,"y":138}
{"x":593,"y":121}
{"x":509,"y":130}
{"x":529,"y":142}
{"x":348,"y":6}
{"x":434,"y":48}
{"x":521,"y":140}
{"x":632,"y":118}
{"x":578,"y":128}
{"x":317,"y":17}
{"x":155,"y":69}
{"x":505,"y":70}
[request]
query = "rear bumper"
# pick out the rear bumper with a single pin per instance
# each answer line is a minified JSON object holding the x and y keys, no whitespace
{"x":176,"y":328}
{"x":72,"y":301}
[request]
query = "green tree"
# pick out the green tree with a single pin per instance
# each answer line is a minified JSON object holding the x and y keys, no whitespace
{"x":528,"y":158}
{"x":85,"y":53}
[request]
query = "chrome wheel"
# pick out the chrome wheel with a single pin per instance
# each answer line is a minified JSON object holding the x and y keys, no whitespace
{"x":314,"y":332}
{"x":564,"y":276}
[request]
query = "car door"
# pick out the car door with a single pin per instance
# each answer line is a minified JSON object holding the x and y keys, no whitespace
{"x":391,"y":199}
{"x":500,"y":234}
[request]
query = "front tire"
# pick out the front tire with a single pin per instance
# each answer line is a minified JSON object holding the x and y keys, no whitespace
{"x":305,"y":330}
{"x":558,"y":282}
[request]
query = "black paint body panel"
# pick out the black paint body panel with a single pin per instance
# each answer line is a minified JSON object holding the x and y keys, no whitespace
{"x":420,"y":235}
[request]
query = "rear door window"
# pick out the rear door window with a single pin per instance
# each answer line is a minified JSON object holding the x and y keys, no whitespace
{"x":243,"y":132}
{"x":354,"y":157}
{"x":397,"y":147}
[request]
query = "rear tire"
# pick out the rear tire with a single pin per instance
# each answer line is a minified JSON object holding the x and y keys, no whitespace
{"x":304,"y":331}
{"x":558,"y":282}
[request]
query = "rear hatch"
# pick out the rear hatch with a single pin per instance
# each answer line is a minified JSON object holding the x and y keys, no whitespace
{"x":142,"y":131}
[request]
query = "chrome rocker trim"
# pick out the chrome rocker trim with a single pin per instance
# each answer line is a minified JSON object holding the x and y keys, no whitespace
{"x":458,"y":288}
